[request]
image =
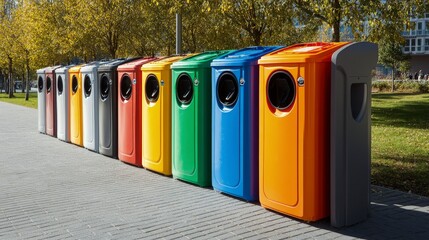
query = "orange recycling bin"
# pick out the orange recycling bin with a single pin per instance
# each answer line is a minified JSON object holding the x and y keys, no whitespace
{"x":156,"y":120}
{"x":129,"y":111}
{"x":76,"y":128}
{"x":294,"y":103}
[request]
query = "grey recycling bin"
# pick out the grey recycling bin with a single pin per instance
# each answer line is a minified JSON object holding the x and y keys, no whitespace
{"x":351,"y":132}
{"x":108,"y":107}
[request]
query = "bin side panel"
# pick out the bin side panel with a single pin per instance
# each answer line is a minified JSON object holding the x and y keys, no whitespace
{"x":51,"y":107}
{"x":165,"y":102}
{"x":250,"y":135}
{"x":351,"y":132}
{"x":203,"y":121}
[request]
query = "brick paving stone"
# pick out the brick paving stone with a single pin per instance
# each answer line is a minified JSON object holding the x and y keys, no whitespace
{"x":313,"y":234}
{"x":226,"y":235}
{"x":247,"y":235}
{"x":175,"y":237}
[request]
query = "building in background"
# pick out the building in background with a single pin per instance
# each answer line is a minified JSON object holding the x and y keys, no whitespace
{"x":417,"y":44}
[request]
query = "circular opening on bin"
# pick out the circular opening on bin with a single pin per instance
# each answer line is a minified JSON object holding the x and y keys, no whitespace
{"x":60,"y":86}
{"x":184,"y":88}
{"x":281,"y":90}
{"x":75,"y":84}
{"x":87,"y":86}
{"x":227,"y":89}
{"x":126,"y":87}
{"x":104,"y":87}
{"x":48,"y":84}
{"x":40,"y":84}
{"x":152,"y":88}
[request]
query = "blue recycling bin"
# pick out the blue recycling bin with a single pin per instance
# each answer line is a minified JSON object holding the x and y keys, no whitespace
{"x":235,"y":81}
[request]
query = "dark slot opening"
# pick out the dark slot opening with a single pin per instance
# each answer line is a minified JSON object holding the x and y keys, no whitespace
{"x":87,"y":86}
{"x":104,"y":87}
{"x":126,"y":87}
{"x":184,"y":88}
{"x":75,"y":84}
{"x":358,"y":100}
{"x":48,"y":84}
{"x":40,"y":84}
{"x":281,"y":90}
{"x":60,"y":86}
{"x":227,"y":89}
{"x":152,"y":88}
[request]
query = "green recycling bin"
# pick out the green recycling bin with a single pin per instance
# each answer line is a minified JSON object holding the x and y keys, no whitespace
{"x":191,"y":118}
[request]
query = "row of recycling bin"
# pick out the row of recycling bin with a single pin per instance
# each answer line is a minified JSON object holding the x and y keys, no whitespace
{"x":289,"y":126}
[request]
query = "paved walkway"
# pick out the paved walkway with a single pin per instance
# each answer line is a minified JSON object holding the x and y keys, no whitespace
{"x":53,"y":190}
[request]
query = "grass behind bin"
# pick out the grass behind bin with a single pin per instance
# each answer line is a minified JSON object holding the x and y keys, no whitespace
{"x":400,"y":142}
{"x":19,"y":99}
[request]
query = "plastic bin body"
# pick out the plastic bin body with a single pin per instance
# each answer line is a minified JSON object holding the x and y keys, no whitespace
{"x":63,"y":103}
{"x":191,"y":118}
{"x":350,"y":130}
{"x":90,"y":105}
{"x":235,"y":79}
{"x":294,"y":130}
{"x":108,"y":107}
{"x":130,"y":111}
{"x":41,"y":100}
{"x":51,"y":101}
{"x":75,"y":93}
{"x":156,"y":115}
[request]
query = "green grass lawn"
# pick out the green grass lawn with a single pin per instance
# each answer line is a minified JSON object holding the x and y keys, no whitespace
{"x":400,"y":142}
{"x":20,"y":99}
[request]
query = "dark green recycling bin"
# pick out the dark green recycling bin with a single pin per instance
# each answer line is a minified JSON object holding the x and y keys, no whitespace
{"x":191,"y":118}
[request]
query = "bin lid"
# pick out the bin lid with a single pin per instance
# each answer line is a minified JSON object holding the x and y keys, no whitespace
{"x":113,"y":65}
{"x":42,"y":70}
{"x":63,"y":69}
{"x":76,"y":69}
{"x":136,"y":64}
{"x":302,"y":52}
{"x":200,"y":60}
{"x":51,"y":69}
{"x":89,"y":67}
{"x":245,"y":56}
{"x":162,"y":63}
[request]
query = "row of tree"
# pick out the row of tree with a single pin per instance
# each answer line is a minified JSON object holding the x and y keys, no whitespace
{"x":37,"y":33}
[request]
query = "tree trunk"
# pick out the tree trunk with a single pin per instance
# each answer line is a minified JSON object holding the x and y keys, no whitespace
{"x":3,"y":82}
{"x":27,"y":83}
{"x":11,"y":87}
{"x":393,"y":79}
{"x":257,"y":38}
{"x":337,"y":21}
{"x":23,"y":83}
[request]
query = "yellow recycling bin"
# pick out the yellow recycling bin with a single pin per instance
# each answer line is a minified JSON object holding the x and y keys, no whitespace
{"x":76,"y":128}
{"x":156,"y":115}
